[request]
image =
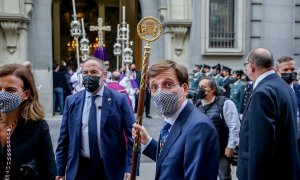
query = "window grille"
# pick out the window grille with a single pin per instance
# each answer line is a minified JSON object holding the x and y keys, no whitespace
{"x":221,"y":24}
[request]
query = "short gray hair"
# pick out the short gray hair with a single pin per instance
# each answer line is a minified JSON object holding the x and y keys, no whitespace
{"x":96,"y":59}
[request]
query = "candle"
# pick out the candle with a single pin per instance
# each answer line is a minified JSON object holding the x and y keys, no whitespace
{"x":127,"y":31}
{"x":123,"y":13}
{"x":82,"y":24}
{"x":118,"y":29}
{"x":74,"y":9}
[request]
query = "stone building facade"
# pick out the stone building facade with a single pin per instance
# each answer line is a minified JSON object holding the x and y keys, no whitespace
{"x":194,"y":32}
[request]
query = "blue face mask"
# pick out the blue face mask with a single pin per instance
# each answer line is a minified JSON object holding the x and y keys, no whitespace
{"x":9,"y":101}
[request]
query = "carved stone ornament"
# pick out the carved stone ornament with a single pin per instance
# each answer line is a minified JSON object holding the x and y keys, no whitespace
{"x":12,"y":23}
{"x":179,"y":36}
{"x":11,"y":32}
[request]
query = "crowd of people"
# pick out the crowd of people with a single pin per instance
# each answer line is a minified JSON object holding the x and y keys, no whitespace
{"x":252,"y":124}
{"x":125,"y":80}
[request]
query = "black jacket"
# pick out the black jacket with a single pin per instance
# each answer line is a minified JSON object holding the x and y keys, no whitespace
{"x":30,"y":141}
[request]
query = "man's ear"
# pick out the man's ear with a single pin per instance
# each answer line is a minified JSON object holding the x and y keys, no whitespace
{"x":252,"y":67}
{"x":185,"y":89}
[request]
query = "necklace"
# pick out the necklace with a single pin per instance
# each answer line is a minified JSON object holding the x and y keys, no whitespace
{"x":8,"y":149}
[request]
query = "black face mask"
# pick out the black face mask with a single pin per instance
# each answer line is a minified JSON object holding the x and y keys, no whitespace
{"x":289,"y":77}
{"x":91,"y":83}
{"x":201,"y":93}
{"x":195,"y":71}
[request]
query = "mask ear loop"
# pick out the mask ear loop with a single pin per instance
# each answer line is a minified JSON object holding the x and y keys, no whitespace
{"x":29,"y":95}
{"x":181,"y":86}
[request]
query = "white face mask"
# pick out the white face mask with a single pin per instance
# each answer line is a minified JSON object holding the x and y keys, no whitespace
{"x":166,"y":102}
{"x":9,"y":101}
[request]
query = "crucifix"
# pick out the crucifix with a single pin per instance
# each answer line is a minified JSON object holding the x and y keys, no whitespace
{"x":100,"y":30}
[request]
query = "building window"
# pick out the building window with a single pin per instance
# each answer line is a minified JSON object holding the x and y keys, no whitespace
{"x":223,"y":27}
{"x":221,"y":24}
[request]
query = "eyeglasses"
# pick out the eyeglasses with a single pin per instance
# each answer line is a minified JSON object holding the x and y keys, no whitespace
{"x":246,"y":63}
{"x":166,"y":86}
{"x":106,"y":64}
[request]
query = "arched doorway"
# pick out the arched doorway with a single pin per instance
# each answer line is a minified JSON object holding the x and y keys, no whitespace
{"x":64,"y":48}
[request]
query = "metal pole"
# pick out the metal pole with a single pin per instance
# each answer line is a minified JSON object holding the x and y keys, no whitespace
{"x":77,"y":51}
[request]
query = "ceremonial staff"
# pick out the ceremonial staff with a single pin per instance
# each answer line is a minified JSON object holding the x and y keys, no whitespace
{"x":148,"y":29}
{"x":75,"y":30}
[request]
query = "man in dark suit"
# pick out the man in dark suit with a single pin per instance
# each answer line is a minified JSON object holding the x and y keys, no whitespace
{"x":95,"y":139}
{"x":188,"y":146}
{"x":268,"y":136}
{"x":286,"y":67}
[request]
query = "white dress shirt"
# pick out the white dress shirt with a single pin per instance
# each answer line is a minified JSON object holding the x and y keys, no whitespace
{"x":232,"y":121}
{"x":85,"y":148}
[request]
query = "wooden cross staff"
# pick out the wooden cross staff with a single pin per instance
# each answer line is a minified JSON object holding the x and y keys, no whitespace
{"x":100,"y":28}
{"x":148,"y":29}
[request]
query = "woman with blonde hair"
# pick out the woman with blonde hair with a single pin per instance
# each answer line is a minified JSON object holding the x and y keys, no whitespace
{"x":26,"y":150}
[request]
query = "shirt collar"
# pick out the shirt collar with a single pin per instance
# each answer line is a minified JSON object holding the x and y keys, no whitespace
{"x":99,"y":93}
{"x":261,"y":77}
{"x":173,"y":118}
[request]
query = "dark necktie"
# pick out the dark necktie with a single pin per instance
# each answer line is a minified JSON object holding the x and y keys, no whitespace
{"x":164,"y":134}
{"x":93,"y":140}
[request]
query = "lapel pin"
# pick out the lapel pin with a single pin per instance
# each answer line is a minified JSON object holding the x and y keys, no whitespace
{"x":109,"y":100}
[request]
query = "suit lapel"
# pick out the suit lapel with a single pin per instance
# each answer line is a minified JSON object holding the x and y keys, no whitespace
{"x":174,"y":133}
{"x":106,"y":105}
{"x":78,"y":111}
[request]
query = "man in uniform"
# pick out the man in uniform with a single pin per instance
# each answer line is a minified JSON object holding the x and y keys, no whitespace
{"x":237,"y":90}
{"x":226,"y":80}
{"x":197,"y":76}
{"x":206,"y":70}
{"x":218,"y":78}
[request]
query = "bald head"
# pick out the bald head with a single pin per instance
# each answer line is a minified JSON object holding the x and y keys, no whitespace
{"x":261,"y":57}
{"x":115,"y":76}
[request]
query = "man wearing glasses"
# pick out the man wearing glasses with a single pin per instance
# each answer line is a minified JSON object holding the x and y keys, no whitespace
{"x":268,"y":136}
{"x":188,"y":145}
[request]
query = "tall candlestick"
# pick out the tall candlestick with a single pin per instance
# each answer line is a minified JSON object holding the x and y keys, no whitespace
{"x":123,"y":13}
{"x":74,"y":9}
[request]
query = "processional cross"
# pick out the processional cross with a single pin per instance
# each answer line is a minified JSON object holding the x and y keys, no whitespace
{"x":100,"y":28}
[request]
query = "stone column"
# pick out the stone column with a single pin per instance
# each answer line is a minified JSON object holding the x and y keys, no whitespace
{"x":56,"y":30}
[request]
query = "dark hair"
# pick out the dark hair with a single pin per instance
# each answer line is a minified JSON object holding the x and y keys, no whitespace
{"x":283,"y":59}
{"x":211,"y":84}
{"x":181,"y":71}
{"x":30,"y":108}
{"x":261,"y":57}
